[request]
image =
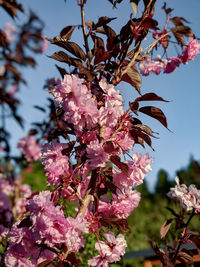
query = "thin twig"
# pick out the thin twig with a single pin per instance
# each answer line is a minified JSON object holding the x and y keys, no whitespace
{"x":84,"y":30}
{"x":181,"y":241}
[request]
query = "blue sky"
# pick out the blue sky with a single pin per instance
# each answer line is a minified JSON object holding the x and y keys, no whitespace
{"x":182,"y":87}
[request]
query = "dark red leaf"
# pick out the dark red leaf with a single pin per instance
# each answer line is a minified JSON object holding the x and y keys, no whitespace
{"x":167,"y":10}
{"x":102,"y":21}
{"x":155,"y":113}
{"x":140,"y":136}
{"x":150,"y":97}
{"x":72,"y":259}
{"x":62,"y":71}
{"x":165,"y":228}
{"x":144,"y":128}
{"x":149,"y":23}
{"x":75,"y":49}
{"x":67,"y":32}
{"x":121,"y":165}
{"x":71,"y":47}
{"x":177,"y":21}
{"x":62,"y":57}
{"x":134,"y":107}
{"x":101,"y":55}
{"x":44,"y":263}
{"x":133,"y":77}
{"x":109,"y":147}
{"x":121,"y":224}
{"x":25,"y":223}
{"x":184,"y":30}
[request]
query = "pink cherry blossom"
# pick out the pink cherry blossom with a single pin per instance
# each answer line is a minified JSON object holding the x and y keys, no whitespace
{"x":190,"y":50}
{"x":73,"y":238}
{"x":96,"y":155}
{"x":55,"y":163}
{"x":189,"y":197}
{"x":138,"y":168}
{"x":6,"y":186}
{"x":9,"y":30}
{"x":123,"y":140}
{"x":113,"y":107}
{"x":77,"y":101}
{"x":50,"y":225}
{"x":29,"y":148}
{"x":149,"y":65}
{"x":25,"y":193}
{"x":109,"y":250}
{"x":122,"y":204}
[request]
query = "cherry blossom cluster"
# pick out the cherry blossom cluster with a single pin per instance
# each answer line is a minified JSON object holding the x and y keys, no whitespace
{"x":29,"y":148}
{"x":189,"y":197}
{"x":168,"y":65}
{"x":102,"y":131}
{"x":7,"y":193}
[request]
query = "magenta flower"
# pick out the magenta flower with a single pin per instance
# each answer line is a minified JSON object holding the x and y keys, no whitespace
{"x":29,"y":148}
{"x":55,"y":163}
{"x":171,"y":64}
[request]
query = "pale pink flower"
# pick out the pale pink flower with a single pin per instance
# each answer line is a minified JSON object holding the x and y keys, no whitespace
{"x":125,"y":202}
{"x":138,"y":168}
{"x":44,"y":45}
{"x":189,"y":197}
{"x":190,"y":51}
{"x":109,"y":250}
{"x":123,"y":140}
{"x":13,"y":90}
{"x":25,"y":193}
{"x":122,"y":204}
{"x":13,"y":259}
{"x":86,"y":138}
{"x":99,"y":261}
{"x":9,"y":30}
{"x":77,"y":101}
{"x":49,"y":223}
{"x":113,"y":106}
{"x":41,"y":45}
{"x":55,"y":163}
{"x":29,"y":148}
{"x":96,"y":155}
{"x":6,"y":187}
{"x":73,"y":238}
{"x":149,"y":65}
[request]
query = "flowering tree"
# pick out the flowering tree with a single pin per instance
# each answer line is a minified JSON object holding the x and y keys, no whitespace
{"x":89,"y":137}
